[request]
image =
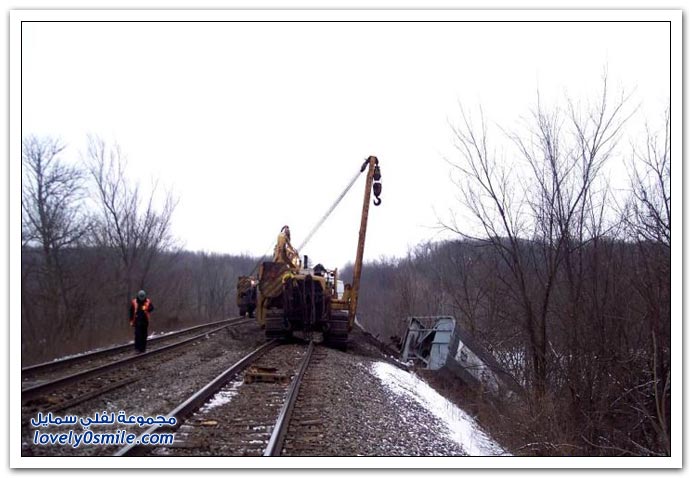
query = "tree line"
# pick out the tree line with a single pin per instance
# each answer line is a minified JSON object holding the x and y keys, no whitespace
{"x":566,"y":279}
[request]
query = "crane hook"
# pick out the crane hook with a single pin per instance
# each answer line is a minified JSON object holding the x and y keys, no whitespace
{"x":377,"y":189}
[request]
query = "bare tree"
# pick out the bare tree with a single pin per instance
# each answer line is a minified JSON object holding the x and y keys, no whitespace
{"x":128,"y":221}
{"x":52,"y":220}
{"x":563,"y":155}
{"x":648,"y":217}
{"x":51,"y":191}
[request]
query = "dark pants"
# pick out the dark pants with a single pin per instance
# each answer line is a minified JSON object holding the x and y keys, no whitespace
{"x":141,"y":326}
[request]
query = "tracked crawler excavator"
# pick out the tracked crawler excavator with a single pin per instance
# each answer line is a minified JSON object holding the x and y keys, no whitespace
{"x":294,"y":299}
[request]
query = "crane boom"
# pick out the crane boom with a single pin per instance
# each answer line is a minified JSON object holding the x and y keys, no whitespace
{"x":358,"y":266}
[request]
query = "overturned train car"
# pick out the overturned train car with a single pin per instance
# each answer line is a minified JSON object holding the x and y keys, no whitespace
{"x":438,"y":342}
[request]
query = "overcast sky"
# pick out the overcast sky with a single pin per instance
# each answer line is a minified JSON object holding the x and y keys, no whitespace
{"x":257,"y":125}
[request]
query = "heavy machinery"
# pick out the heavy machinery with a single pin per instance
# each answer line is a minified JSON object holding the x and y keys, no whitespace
{"x":294,"y":299}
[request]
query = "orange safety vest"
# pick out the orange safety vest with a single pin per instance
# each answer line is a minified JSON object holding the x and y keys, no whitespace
{"x":145,"y":308}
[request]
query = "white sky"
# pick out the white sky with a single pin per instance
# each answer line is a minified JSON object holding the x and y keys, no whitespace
{"x":256,"y":125}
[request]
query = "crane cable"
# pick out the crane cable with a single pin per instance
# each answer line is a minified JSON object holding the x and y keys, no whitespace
{"x":329,"y":211}
{"x":324,"y":218}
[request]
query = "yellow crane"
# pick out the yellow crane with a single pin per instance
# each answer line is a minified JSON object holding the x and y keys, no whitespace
{"x":293,"y":299}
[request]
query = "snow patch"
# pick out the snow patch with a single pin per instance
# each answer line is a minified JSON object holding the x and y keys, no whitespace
{"x":66,"y":357}
{"x":223,"y":397}
{"x":461,"y":427}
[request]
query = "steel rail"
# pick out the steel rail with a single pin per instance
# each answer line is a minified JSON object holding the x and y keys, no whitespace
{"x":44,"y":366}
{"x":195,"y":401}
{"x":89,"y":395}
{"x":276,"y":441}
{"x":37,"y":390}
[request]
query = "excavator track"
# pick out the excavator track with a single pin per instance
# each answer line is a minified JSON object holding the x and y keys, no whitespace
{"x":336,"y":335}
{"x":275,"y":326}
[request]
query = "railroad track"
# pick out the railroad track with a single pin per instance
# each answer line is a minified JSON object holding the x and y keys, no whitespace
{"x":305,"y":430}
{"x":52,"y":395}
{"x":278,"y":437}
{"x":32,"y":372}
{"x":233,"y":417}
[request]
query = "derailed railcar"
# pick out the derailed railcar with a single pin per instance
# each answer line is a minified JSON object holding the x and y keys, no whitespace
{"x":438,"y":342}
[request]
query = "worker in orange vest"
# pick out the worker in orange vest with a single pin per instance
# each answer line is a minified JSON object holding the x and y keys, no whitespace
{"x":140,"y":310}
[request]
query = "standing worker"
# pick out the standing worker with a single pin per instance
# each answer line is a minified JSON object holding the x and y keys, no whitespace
{"x":284,"y":252}
{"x":140,"y":309}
